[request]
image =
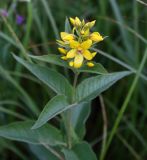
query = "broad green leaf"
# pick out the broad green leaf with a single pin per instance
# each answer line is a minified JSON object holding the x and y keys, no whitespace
{"x":42,"y":153}
{"x":81,"y":151}
{"x":91,"y":87}
{"x":21,"y":131}
{"x":55,"y":59}
{"x":98,"y":69}
{"x":51,"y":109}
{"x":51,"y":58}
{"x":53,"y":79}
{"x":79,"y":116}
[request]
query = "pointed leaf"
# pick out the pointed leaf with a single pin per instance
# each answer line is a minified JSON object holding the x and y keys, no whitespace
{"x":42,"y":153}
{"x":52,"y":108}
{"x":51,"y":78}
{"x":79,"y":115}
{"x":67,"y":26}
{"x":56,"y":59}
{"x":92,"y":87}
{"x":51,"y":58}
{"x":98,"y":69}
{"x":81,"y":151}
{"x":21,"y":131}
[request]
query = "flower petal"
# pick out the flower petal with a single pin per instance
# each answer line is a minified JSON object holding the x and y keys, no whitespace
{"x":72,"y":21}
{"x":78,"y":61}
{"x":71,"y":53}
{"x":62,"y":50}
{"x":66,"y":36}
{"x":94,"y":54}
{"x":96,"y":37}
{"x":74,"y":44}
{"x":86,"y":44}
{"x":77,"y":22}
{"x":71,"y":63}
{"x":87,"y":55}
{"x":64,"y":58}
{"x":90,"y":64}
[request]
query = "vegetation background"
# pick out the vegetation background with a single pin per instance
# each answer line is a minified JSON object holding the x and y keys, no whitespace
{"x":125,"y":24}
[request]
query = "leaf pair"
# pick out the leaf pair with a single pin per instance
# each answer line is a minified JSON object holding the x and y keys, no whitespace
{"x":85,"y":91}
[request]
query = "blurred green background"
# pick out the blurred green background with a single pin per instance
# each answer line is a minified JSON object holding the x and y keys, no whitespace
{"x":125,"y":24}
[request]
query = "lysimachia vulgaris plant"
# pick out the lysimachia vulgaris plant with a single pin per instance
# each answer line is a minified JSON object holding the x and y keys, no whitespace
{"x":70,"y":107}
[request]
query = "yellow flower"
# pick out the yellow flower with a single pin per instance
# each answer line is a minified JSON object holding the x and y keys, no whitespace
{"x":85,"y":32}
{"x":62,"y":50}
{"x":90,"y":64}
{"x":75,"y":22}
{"x":71,"y":63}
{"x":79,"y":51}
{"x":94,"y":54}
{"x":96,"y":37}
{"x":64,"y":57}
{"x":90,"y":24}
{"x":66,"y":36}
{"x":75,"y":46}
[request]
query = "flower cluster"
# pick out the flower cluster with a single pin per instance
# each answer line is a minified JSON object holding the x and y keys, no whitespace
{"x":75,"y":46}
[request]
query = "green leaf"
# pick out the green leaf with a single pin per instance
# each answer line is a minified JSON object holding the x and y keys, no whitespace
{"x":21,"y":131}
{"x":52,"y":108}
{"x":81,"y":151}
{"x":79,"y":116}
{"x":42,"y":153}
{"x":67,"y":26}
{"x":51,"y":58}
{"x":98,"y":69}
{"x":56,"y":59}
{"x":91,"y":87}
{"x":51,"y":78}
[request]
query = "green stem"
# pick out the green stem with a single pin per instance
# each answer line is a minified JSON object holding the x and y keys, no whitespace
{"x":69,"y":113}
{"x":125,"y":104}
{"x":104,"y":115}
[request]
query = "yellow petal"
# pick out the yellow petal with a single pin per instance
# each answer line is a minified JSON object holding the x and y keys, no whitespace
{"x":86,"y":44}
{"x":94,"y":54}
{"x":90,"y":64}
{"x":92,"y":23}
{"x":61,"y":42}
{"x":77,"y":22}
{"x":82,"y":32}
{"x":83,"y":22}
{"x":71,"y":63}
{"x":72,"y":21}
{"x":85,"y":32}
{"x":87,"y":55}
{"x":62,"y":50}
{"x":64,"y":57}
{"x":96,"y":37}
{"x":66,"y":36}
{"x":71,"y":53}
{"x":78,"y":61}
{"x":74,"y":44}
{"x":87,"y":25}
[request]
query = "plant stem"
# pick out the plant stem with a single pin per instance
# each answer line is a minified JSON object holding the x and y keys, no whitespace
{"x":125,"y":104}
{"x":69,"y":113}
{"x":104,"y":126}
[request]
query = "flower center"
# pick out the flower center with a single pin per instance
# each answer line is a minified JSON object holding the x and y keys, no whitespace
{"x":79,"y":50}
